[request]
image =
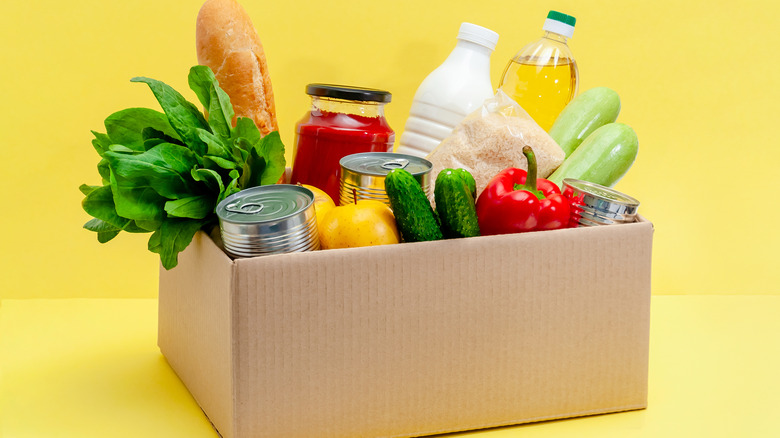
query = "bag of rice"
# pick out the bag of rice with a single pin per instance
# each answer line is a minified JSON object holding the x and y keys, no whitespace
{"x":491,"y":139}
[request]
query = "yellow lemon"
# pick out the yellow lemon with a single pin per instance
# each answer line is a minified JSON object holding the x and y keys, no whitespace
{"x":322,"y":204}
{"x":364,"y":223}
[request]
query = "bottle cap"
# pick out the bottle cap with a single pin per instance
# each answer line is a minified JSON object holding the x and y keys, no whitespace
{"x":346,"y":92}
{"x":478,"y":35}
{"x":560,"y":23}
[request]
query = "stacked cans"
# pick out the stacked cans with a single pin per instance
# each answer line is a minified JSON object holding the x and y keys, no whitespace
{"x":593,"y":204}
{"x":363,"y":175}
{"x":270,"y":219}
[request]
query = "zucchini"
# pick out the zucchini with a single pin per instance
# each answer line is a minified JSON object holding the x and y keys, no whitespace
{"x":414,"y":215}
{"x":603,"y":158}
{"x":583,"y":115}
{"x":455,"y":195}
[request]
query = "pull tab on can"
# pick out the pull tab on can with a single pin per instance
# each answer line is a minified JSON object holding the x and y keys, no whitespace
{"x":248,"y":208}
{"x":399,"y":163}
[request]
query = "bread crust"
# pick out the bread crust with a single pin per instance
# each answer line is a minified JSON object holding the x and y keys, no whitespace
{"x":227,"y":42}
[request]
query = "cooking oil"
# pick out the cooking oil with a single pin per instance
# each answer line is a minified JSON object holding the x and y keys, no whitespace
{"x":542,"y":77}
{"x":541,"y":87}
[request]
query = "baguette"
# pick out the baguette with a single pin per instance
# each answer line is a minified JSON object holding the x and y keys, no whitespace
{"x":227,"y":43}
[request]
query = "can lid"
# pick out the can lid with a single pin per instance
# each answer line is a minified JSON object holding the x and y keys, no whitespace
{"x":602,"y":192}
{"x":349,"y":93}
{"x":382,"y":163}
{"x":560,"y":23}
{"x":478,"y":35}
{"x":265,"y":203}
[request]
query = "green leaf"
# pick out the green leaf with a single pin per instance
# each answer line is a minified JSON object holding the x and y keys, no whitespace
{"x":231,"y":187}
{"x":193,"y":207}
{"x":165,"y":168}
{"x":217,"y":103}
{"x":172,"y":238}
{"x":252,"y":171}
{"x":86,"y":189}
{"x":246,"y":128}
{"x":153,"y":137}
{"x":271,"y":149}
{"x":99,"y":203}
{"x":104,"y":170}
{"x":182,"y":115}
{"x":101,"y":142}
{"x":210,"y":178}
{"x":126,"y":127}
{"x":122,"y":149}
{"x":215,"y":145}
{"x":105,"y":236}
{"x":218,"y":163}
{"x":137,"y":200}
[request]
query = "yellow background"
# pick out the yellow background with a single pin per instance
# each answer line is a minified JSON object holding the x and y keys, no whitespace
{"x":698,"y":83}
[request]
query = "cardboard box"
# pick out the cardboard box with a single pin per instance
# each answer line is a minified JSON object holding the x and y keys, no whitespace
{"x":412,"y":339}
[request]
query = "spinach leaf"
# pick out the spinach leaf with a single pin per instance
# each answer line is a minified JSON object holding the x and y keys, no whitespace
{"x":101,"y":142}
{"x":246,"y":128}
{"x":253,"y":170}
{"x":215,"y":163}
{"x":87,"y":189}
{"x":183,"y":116}
{"x":104,"y":230}
{"x":193,"y":207}
{"x":122,"y":149}
{"x":137,"y":200}
{"x":271,"y":149}
{"x":153,"y":137}
{"x":163,"y":168}
{"x":211,"y":178}
{"x":99,"y":203}
{"x":217,"y":103}
{"x":126,"y":127}
{"x":172,"y":238}
{"x":104,"y":170}
{"x":215,"y":145}
{"x":231,"y":187}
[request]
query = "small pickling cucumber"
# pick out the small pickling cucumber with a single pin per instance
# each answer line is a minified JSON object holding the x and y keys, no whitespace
{"x":414,"y":215}
{"x":455,"y":199}
{"x":603,"y":158}
{"x":587,"y":112}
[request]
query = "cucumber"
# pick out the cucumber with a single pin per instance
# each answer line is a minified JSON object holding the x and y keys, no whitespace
{"x":583,"y":115}
{"x":455,"y":197}
{"x":603,"y":158}
{"x":414,"y":215}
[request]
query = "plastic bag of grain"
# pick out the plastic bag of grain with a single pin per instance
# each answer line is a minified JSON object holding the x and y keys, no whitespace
{"x":491,"y":139}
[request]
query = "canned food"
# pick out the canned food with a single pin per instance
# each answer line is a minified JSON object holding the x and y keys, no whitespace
{"x":593,"y":204}
{"x":270,"y":219}
{"x":363,"y":175}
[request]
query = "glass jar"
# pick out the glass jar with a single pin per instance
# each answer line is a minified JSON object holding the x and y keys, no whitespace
{"x":343,"y":121}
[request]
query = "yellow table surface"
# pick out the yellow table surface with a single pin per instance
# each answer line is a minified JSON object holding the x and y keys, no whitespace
{"x":91,"y":368}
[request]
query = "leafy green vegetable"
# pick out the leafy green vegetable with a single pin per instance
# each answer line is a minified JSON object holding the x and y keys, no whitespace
{"x":165,"y":172}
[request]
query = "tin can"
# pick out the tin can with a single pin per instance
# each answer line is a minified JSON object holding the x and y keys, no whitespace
{"x":593,"y":204}
{"x":270,"y":219}
{"x":365,"y":174}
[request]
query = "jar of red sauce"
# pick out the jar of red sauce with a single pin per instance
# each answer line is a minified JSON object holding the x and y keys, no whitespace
{"x":343,"y":121}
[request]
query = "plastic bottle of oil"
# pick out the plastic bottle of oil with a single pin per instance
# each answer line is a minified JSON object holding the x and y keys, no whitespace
{"x":542,"y":77}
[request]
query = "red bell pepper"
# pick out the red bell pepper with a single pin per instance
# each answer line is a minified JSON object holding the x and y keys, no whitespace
{"x":515,"y":201}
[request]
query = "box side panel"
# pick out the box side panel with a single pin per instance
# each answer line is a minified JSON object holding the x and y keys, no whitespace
{"x":416,"y":339}
{"x":194,"y":330}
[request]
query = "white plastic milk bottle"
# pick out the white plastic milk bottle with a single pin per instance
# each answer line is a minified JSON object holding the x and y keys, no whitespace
{"x":452,"y":91}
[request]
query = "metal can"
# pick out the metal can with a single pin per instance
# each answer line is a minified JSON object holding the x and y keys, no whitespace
{"x":363,"y":175}
{"x":270,"y":219}
{"x":593,"y":204}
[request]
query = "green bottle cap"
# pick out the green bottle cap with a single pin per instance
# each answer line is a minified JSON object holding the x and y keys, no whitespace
{"x":563,"y":18}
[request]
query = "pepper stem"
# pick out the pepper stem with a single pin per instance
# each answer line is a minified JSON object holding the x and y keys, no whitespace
{"x":530,"y":178}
